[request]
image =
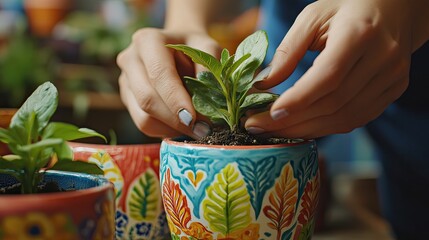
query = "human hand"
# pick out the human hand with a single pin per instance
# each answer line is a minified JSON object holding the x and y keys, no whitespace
{"x":363,"y":66}
{"x":151,"y":86}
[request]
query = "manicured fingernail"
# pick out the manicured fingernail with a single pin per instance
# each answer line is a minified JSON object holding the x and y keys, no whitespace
{"x":185,"y":117}
{"x":255,"y":130}
{"x":278,"y":114}
{"x":201,"y":129}
{"x":263,"y":74}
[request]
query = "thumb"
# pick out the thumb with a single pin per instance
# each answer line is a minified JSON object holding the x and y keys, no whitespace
{"x":290,"y":51}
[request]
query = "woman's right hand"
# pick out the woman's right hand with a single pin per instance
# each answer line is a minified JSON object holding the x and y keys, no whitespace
{"x":151,"y":86}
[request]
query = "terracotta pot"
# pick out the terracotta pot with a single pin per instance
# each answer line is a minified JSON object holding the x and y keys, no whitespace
{"x":134,"y":171}
{"x":6,"y":115}
{"x":233,"y":192}
{"x":44,"y":15}
{"x":87,"y":213}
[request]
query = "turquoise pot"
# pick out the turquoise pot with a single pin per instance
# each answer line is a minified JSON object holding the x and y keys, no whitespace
{"x":239,"y":192}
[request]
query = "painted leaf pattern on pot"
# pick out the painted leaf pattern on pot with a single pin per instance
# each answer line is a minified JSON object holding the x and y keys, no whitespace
{"x":309,"y":201}
{"x":111,"y":171}
{"x":226,"y":206}
{"x":178,"y":212}
{"x":143,"y":197}
{"x":175,"y":203}
{"x":282,"y":198}
{"x":307,"y":169}
{"x":258,"y":177}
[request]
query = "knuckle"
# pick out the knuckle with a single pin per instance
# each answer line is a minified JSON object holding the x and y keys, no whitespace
{"x":365,"y":29}
{"x":122,"y":58}
{"x":142,"y":34}
{"x":160,"y":71}
{"x":146,"y":101}
{"x":308,"y":12}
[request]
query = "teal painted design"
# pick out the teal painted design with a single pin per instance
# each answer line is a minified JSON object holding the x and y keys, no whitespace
{"x":258,"y":177}
{"x":196,"y":171}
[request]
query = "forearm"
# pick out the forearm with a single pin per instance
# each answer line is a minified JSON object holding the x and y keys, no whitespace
{"x":189,"y":15}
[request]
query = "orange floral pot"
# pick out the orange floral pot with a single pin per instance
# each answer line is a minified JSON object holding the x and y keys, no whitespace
{"x":240,"y":192}
{"x":134,"y":171}
{"x":86,"y":213}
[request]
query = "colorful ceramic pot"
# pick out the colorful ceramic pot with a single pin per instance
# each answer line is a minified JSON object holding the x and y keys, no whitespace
{"x":134,"y":171}
{"x":87,"y":213}
{"x":248,"y":192}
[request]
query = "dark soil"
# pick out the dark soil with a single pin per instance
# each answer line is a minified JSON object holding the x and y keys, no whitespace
{"x":227,"y":137}
{"x":48,"y":187}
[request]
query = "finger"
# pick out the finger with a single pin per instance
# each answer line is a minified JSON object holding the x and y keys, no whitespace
{"x":145,"y":95}
{"x":291,"y":50}
{"x":150,"y":126}
{"x":366,"y":68}
{"x":368,"y":105}
{"x":162,"y":75}
{"x":345,"y":46}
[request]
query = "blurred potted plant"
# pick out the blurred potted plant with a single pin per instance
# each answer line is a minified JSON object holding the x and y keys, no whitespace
{"x":23,"y":66}
{"x":246,"y":188}
{"x":43,"y":15}
{"x":41,"y":163}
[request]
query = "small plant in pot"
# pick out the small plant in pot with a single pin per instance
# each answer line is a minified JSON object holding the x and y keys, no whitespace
{"x":259,"y":189}
{"x":42,"y":162}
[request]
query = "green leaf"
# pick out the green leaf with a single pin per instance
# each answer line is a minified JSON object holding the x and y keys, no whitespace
{"x":43,"y":102}
{"x":197,"y":86}
{"x":68,"y":132}
{"x":5,"y":136}
{"x":227,"y":204}
{"x":245,"y":75}
{"x":208,"y":79}
{"x":200,"y":57}
{"x":226,"y":66}
{"x":224,"y":57}
{"x":204,"y":105}
{"x":45,"y":143}
{"x":77,"y":166}
{"x":64,"y":151}
{"x":256,"y":100}
{"x":256,"y":44}
{"x":235,"y":66}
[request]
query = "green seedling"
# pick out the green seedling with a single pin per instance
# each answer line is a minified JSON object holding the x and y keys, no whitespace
{"x":38,"y":144}
{"x":222,"y":92}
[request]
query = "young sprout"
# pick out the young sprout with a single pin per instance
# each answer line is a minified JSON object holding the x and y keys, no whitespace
{"x":222,"y":92}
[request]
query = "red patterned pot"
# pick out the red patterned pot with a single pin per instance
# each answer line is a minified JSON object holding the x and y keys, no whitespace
{"x":134,"y":170}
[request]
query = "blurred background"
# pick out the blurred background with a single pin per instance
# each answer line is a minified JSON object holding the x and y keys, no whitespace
{"x":74,"y":43}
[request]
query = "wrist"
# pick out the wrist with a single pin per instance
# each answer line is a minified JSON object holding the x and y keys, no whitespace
{"x":187,"y":16}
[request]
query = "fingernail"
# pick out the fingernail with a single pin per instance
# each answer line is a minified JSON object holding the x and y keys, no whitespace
{"x":201,"y":129}
{"x":185,"y":117}
{"x":255,"y":130}
{"x":278,"y":114}
{"x":263,"y":74}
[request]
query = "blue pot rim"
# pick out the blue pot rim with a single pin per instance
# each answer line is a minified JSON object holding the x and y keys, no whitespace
{"x":179,"y":142}
{"x":102,"y":185}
